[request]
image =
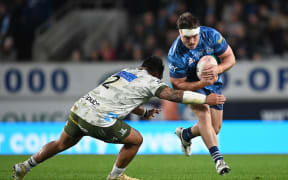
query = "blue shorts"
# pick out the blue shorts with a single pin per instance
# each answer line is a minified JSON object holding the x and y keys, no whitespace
{"x":207,"y":92}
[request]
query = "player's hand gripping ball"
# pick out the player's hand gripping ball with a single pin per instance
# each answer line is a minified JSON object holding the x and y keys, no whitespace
{"x":203,"y":63}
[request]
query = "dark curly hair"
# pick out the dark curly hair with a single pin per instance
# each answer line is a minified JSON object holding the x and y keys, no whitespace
{"x":187,"y":21}
{"x":154,"y":64}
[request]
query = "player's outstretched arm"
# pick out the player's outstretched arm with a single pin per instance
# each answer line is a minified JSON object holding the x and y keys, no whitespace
{"x":214,"y":99}
{"x":189,"y":97}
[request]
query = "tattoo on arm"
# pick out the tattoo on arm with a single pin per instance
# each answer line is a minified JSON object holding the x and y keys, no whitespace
{"x":171,"y":95}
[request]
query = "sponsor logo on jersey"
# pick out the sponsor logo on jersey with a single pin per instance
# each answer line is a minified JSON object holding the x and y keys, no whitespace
{"x":127,"y":75}
{"x":209,"y":50}
{"x":172,"y":68}
{"x":199,"y":53}
{"x":91,"y":99}
{"x":191,"y":61}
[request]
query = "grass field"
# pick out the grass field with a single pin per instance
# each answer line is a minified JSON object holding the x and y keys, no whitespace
{"x":153,"y":167}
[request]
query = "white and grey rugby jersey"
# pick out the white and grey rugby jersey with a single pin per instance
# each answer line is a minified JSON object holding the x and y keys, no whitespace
{"x":114,"y":99}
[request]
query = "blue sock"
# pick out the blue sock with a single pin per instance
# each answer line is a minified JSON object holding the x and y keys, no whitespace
{"x":187,"y":134}
{"x":214,"y":152}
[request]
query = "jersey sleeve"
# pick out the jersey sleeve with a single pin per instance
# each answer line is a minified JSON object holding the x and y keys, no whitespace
{"x":177,"y":68}
{"x":156,"y":86}
{"x":219,"y":43}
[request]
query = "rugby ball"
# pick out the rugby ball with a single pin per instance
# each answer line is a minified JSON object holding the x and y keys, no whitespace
{"x":204,"y":62}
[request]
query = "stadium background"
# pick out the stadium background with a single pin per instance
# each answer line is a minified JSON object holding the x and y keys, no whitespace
{"x":54,"y":51}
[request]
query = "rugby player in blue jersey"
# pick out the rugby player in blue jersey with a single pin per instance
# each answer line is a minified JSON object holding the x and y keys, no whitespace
{"x":194,"y":42}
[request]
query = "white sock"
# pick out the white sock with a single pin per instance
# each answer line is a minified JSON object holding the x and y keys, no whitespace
{"x":116,"y":171}
{"x":30,"y":163}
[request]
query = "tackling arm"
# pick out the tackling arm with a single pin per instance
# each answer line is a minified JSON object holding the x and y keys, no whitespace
{"x":189,"y":97}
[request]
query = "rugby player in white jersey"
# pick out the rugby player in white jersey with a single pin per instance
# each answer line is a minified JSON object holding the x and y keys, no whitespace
{"x":100,"y":114}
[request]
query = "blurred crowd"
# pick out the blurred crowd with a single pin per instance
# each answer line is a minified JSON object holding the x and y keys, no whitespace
{"x":19,"y":20}
{"x":255,"y":29}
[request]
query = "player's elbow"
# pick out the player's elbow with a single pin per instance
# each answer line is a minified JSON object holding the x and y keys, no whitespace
{"x":229,"y":57}
{"x":233,"y":61}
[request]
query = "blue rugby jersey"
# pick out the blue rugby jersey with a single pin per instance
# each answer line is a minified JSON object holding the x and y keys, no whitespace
{"x":182,"y":61}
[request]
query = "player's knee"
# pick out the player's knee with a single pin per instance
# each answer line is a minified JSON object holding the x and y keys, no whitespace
{"x":217,"y":129}
{"x":139,"y":140}
{"x":203,"y":116}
